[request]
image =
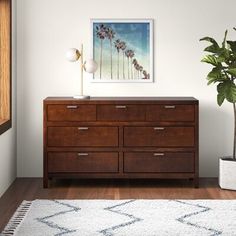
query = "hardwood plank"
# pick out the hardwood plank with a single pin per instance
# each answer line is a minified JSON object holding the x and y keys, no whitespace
{"x":32,"y":188}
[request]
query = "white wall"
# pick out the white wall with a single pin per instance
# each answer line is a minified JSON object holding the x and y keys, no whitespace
{"x":7,"y":159}
{"x":8,"y":139}
{"x":46,"y":28}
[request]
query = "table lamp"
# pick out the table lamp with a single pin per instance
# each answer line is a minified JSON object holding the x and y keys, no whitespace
{"x":89,"y":66}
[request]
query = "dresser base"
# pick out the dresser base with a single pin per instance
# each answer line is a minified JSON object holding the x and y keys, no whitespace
{"x":46,"y":182}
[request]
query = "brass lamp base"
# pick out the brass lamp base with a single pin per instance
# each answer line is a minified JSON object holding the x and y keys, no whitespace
{"x":81,"y":97}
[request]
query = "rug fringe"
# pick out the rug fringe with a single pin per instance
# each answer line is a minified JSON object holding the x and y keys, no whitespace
{"x":16,"y":219}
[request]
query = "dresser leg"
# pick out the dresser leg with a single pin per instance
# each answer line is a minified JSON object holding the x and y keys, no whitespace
{"x":196,"y":182}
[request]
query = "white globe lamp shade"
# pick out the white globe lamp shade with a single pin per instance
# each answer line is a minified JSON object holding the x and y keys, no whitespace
{"x":90,"y":66}
{"x":72,"y":54}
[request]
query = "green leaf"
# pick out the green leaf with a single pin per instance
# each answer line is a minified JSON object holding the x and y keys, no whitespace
{"x":232,"y":45}
{"x":223,"y":55}
{"x":221,"y":88}
{"x":231,"y":94}
{"x":228,"y":90}
{"x":211,"y":80}
{"x":220,"y":98}
{"x":209,"y":39}
{"x":214,"y":48}
{"x":211,"y":60}
{"x":232,"y":71}
{"x":215,"y":73}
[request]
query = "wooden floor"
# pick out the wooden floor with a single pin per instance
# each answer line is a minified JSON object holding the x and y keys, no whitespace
{"x":31,"y":188}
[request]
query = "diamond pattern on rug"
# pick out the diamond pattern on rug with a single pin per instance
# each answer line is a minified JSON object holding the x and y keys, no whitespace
{"x":183,"y":219}
{"x":133,"y":219}
{"x":63,"y":230}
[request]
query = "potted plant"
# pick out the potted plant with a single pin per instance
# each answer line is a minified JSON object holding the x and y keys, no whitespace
{"x":223,"y":59}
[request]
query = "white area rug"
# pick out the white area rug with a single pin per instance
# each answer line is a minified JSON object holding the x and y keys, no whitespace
{"x":124,"y":217}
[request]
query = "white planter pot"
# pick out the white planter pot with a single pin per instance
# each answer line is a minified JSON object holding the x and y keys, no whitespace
{"x":227,"y":174}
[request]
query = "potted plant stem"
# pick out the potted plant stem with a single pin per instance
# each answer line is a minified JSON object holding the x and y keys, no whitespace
{"x":223,"y":59}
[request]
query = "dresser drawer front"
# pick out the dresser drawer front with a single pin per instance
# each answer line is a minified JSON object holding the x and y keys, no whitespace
{"x":120,"y":112}
{"x":149,"y":162}
{"x":71,"y":112}
{"x":159,"y":136}
{"x":89,"y":162}
{"x":170,"y":113}
{"x":83,"y":136}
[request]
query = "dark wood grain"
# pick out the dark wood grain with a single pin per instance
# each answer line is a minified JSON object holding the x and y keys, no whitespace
{"x":122,"y":112}
{"x":32,"y":188}
{"x":170,"y":112}
{"x":159,"y":136}
{"x":85,"y":162}
{"x":71,"y":112}
{"x":196,"y":146}
{"x":122,"y":100}
{"x":163,"y":162}
{"x":83,"y":136}
{"x":121,"y":125}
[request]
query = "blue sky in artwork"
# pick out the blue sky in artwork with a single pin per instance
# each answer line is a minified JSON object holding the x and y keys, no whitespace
{"x":136,"y":35}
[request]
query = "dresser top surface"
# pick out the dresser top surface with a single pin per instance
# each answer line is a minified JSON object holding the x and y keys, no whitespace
{"x":123,"y":99}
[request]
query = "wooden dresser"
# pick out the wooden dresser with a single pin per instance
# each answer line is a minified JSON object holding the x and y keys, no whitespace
{"x":121,"y":137}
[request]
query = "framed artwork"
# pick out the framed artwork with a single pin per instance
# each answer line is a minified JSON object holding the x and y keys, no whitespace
{"x":123,"y":50}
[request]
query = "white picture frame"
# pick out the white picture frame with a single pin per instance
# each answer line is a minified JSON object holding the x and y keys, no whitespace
{"x":123,"y":50}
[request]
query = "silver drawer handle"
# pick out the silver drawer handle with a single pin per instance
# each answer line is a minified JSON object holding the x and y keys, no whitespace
{"x":83,"y":128}
{"x":158,"y":154}
{"x":169,"y":107}
{"x":158,"y":128}
{"x":121,"y":107}
{"x":71,"y":107}
{"x":82,"y":154}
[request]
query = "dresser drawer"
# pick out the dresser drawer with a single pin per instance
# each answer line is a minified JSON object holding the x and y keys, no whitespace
{"x":89,"y":162}
{"x":71,"y":112}
{"x":83,"y":136}
{"x":120,"y":112}
{"x":170,"y":113}
{"x":150,"y":162}
{"x":159,"y":136}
